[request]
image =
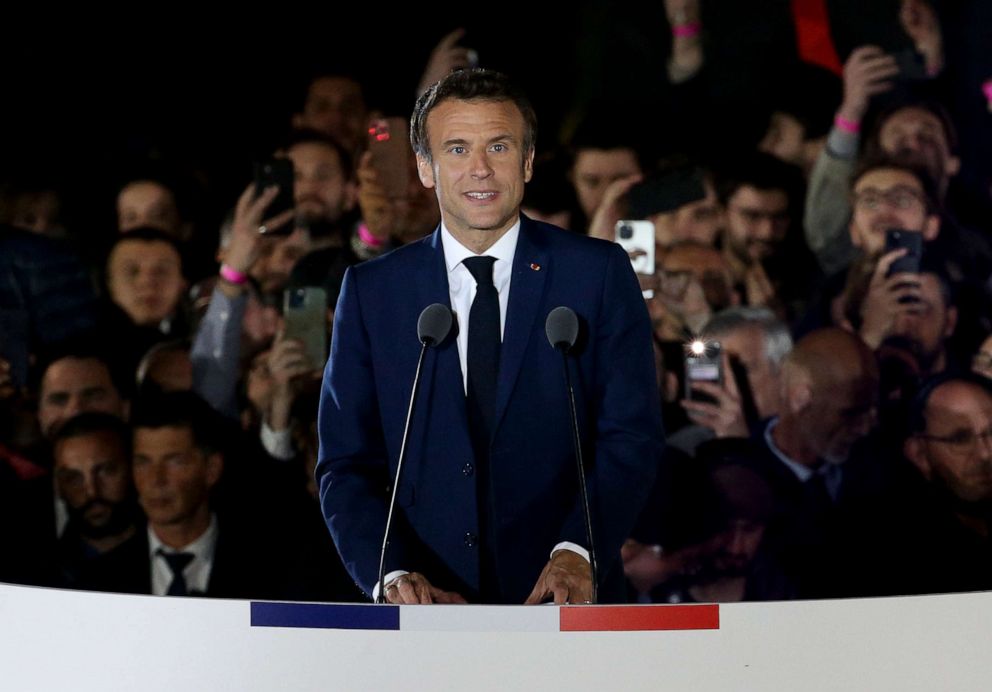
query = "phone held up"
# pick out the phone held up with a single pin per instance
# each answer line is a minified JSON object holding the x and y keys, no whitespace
{"x":278,"y":172}
{"x":305,"y":319}
{"x":637,"y":238}
{"x":703,"y":363}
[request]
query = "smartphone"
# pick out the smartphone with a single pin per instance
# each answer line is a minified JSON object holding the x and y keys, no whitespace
{"x":665,"y":192}
{"x":14,"y":344}
{"x":389,"y":145}
{"x":277,"y":172}
{"x":912,"y":241}
{"x":912,"y":67}
{"x":305,"y":317}
{"x":703,"y":363}
{"x":637,"y":238}
{"x":751,"y":415}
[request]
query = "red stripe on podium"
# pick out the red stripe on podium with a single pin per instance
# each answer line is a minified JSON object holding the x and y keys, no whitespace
{"x":639,"y":618}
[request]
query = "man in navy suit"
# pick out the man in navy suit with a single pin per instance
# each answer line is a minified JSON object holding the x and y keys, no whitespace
{"x":488,"y":507}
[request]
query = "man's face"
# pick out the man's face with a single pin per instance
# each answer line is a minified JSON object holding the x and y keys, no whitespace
{"x":146,"y":203}
{"x":886,"y":198}
{"x":320,"y":184}
{"x":957,"y":448}
{"x":928,"y":324}
{"x":916,"y":135}
{"x":736,"y":547}
{"x":704,"y":265}
{"x":335,"y":106}
{"x":479,"y":165}
{"x":276,"y":258}
{"x":840,"y":414}
{"x":595,"y":169}
{"x":698,"y":221}
{"x":145,"y":280}
{"x":92,"y":475}
{"x":74,"y":385}
{"x":747,"y":344}
{"x":757,"y":221}
{"x":172,"y":475}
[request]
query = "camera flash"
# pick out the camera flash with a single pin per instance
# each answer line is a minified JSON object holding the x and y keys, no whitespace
{"x":698,"y":347}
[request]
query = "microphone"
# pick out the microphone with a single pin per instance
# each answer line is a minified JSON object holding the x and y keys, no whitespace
{"x":562,"y":328}
{"x":433,"y":327}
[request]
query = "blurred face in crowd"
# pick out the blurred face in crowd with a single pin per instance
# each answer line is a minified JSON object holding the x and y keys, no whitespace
{"x":701,"y":264}
{"x":928,"y":325}
{"x":595,"y":169}
{"x":37,"y":212}
{"x":93,"y":476}
{"x":336,"y":107}
{"x":74,"y":385}
{"x":699,"y":221}
{"x":885,"y":198}
{"x":147,"y":203}
{"x":916,"y":135}
{"x":735,"y":548}
{"x":173,"y":476}
{"x":277,"y":255}
{"x":956,"y":447}
{"x":145,"y":280}
{"x":982,"y":361}
{"x":747,"y":345}
{"x":756,"y":222}
{"x":478,"y":164}
{"x":841,"y":413}
{"x":322,"y":190}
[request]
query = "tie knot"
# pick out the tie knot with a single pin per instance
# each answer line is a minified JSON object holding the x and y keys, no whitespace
{"x":481,"y":269}
{"x":177,"y":561}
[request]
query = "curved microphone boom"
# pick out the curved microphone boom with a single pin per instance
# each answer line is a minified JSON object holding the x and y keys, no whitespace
{"x":433,"y":327}
{"x":562,"y":328}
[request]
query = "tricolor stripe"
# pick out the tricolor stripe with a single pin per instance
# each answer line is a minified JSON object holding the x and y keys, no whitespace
{"x":632,"y":618}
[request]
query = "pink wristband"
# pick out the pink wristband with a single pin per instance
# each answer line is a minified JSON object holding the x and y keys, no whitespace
{"x":987,"y":89}
{"x":232,"y":275}
{"x":847,"y":125}
{"x":365,"y":235}
{"x":687,"y":30}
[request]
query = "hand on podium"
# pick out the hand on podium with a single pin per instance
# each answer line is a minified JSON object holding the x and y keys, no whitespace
{"x":413,"y":588}
{"x":567,"y":577}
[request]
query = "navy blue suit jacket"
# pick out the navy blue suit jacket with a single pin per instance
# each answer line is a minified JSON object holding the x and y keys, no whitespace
{"x":367,"y":387}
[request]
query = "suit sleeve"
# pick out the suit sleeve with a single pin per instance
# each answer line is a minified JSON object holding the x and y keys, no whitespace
{"x":625,"y":410}
{"x":352,"y":463}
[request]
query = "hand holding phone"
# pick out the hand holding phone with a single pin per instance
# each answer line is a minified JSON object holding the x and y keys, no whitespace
{"x":276,"y":173}
{"x":637,"y":238}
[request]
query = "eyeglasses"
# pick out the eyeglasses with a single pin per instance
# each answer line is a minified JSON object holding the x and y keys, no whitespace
{"x":962,"y":442}
{"x":901,"y":198}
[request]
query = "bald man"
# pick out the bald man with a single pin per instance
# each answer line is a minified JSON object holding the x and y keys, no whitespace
{"x":829,"y":392}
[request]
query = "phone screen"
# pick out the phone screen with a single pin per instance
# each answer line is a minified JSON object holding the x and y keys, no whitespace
{"x":305,"y":318}
{"x":278,"y":172}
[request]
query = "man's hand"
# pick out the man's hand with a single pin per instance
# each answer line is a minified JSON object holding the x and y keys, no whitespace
{"x":288,"y":363}
{"x":919,"y":21}
{"x":243,"y":249}
{"x":445,"y":58}
{"x":868,"y":71}
{"x":726,"y":416}
{"x":604,"y":220}
{"x":413,"y":588}
{"x":567,"y":577}
{"x":887,"y":299}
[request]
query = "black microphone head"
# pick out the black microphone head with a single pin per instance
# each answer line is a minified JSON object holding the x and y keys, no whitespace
{"x":434,"y":324}
{"x":562,"y":328}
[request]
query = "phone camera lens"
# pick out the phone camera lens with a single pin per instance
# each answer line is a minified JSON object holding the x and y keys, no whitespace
{"x":626,"y":232}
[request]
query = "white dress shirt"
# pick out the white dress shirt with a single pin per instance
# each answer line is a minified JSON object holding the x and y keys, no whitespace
{"x":196,"y":573}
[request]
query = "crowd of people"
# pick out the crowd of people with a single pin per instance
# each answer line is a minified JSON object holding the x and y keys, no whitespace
{"x":158,"y":406}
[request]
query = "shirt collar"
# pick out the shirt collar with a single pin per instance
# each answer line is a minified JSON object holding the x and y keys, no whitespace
{"x":455,"y":253}
{"x":803,"y":473}
{"x":202,"y":547}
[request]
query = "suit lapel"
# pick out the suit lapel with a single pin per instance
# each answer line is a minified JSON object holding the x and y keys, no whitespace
{"x":531,"y":264}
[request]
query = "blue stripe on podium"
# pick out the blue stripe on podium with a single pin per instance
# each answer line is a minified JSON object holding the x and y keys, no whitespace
{"x":325,"y":616}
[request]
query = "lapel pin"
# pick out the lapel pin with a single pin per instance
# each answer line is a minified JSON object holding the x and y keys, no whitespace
{"x":535,"y":267}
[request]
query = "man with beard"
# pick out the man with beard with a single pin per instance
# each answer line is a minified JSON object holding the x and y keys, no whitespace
{"x":761,"y":196}
{"x":92,"y":470}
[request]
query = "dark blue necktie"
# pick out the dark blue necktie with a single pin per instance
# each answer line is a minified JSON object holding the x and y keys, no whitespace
{"x":177,"y":563}
{"x":483,"y":352}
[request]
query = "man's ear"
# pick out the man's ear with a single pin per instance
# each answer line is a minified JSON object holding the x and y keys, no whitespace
{"x":797,"y":389}
{"x":425,"y":171}
{"x":529,"y":166}
{"x":215,"y":467}
{"x":953,"y":166}
{"x":931,"y":228}
{"x":951,"y":322}
{"x":855,"y":233}
{"x":912,"y":448}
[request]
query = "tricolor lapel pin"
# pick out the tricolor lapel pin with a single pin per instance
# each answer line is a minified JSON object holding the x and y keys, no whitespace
{"x":535,"y":267}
